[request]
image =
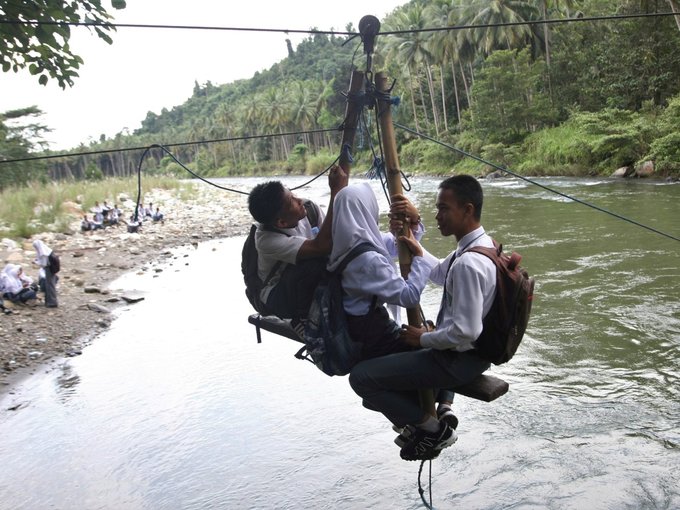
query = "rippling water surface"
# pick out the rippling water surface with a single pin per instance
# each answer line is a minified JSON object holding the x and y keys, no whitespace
{"x":177,"y":406}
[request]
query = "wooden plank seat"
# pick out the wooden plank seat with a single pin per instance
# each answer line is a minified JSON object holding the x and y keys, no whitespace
{"x":486,"y":387}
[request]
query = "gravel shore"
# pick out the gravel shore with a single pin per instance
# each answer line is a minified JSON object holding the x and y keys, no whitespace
{"x":33,"y":338}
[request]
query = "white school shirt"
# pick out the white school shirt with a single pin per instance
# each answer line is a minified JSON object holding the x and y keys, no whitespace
{"x":471,"y":283}
{"x":273,"y":246}
{"x":372,"y":274}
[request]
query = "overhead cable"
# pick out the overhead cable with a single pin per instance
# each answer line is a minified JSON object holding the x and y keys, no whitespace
{"x":613,"y":17}
{"x":178,"y":144}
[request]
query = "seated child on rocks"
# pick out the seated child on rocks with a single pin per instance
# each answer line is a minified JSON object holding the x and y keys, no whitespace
{"x":16,"y":285}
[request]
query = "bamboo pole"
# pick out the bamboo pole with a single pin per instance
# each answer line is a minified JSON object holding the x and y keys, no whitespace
{"x":393,"y":172}
{"x":349,"y":126}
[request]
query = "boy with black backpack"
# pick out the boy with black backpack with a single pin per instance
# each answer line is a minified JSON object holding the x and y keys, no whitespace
{"x":286,"y":253}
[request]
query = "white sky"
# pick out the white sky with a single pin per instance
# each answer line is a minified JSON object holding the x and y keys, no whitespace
{"x":150,"y":69}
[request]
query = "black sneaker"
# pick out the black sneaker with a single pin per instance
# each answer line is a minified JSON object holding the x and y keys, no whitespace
{"x":423,"y":445}
{"x":404,"y":435}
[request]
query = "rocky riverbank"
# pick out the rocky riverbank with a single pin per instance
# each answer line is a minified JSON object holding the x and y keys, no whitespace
{"x":33,"y":337}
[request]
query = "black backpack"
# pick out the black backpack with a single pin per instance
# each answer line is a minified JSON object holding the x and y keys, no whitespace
{"x":53,"y":262}
{"x":328,"y":343}
{"x":249,"y":267}
{"x":507,"y":320}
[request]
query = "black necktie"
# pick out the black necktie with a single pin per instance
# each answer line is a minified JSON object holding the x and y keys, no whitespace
{"x":445,"y":294}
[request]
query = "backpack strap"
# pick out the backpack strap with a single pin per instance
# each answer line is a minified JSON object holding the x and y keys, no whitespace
{"x":354,"y":253}
{"x":313,"y":212}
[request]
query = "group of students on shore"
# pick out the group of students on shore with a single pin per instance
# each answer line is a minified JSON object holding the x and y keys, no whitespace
{"x":397,"y":361}
{"x":19,"y":288}
{"x":105,"y":216}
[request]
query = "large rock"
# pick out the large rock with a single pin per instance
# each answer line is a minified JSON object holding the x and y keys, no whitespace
{"x":624,"y":171}
{"x":9,"y":244}
{"x":646,"y":169}
{"x":16,"y":257}
{"x":72,"y":207}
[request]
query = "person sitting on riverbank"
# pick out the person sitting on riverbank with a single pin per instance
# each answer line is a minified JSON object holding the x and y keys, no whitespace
{"x":138,"y":214}
{"x":291,"y":252}
{"x":112,"y":218}
{"x":86,"y":224}
{"x":97,"y":221}
{"x":134,"y":224}
{"x":157,"y":215}
{"x":17,"y":285}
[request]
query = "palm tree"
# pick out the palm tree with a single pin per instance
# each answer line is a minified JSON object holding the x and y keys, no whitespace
{"x":414,"y":52}
{"x":446,"y":47}
{"x":324,"y":92}
{"x":303,"y":107}
{"x":276,"y":114}
{"x":407,"y":50}
{"x":545,"y":6}
{"x":497,"y":12}
{"x":675,"y":7}
{"x":225,"y":118}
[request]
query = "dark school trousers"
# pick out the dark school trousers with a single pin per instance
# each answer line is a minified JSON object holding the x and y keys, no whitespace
{"x":390,"y":384}
{"x":50,"y":288}
{"x":292,"y":295}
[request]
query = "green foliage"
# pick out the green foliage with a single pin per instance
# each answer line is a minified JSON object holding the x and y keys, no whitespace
{"x":500,"y":155}
{"x":509,"y":98}
{"x":598,"y":142}
{"x":18,"y":137}
{"x":93,"y":173}
{"x":297,"y":159}
{"x":318,"y":162}
{"x":423,"y":156}
{"x":618,"y":64}
{"x":44,"y":49}
{"x":665,"y":152}
{"x":665,"y":149}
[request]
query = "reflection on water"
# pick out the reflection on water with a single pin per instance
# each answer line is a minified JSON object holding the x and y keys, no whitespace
{"x":177,"y":406}
{"x":67,"y":381}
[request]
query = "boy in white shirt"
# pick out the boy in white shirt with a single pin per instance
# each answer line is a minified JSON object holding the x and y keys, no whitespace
{"x":445,"y":357}
{"x":291,"y":253}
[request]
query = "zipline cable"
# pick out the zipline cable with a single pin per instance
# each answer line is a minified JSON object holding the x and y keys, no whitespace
{"x":613,"y":17}
{"x":531,"y":181}
{"x":224,"y":188}
{"x":178,"y":144}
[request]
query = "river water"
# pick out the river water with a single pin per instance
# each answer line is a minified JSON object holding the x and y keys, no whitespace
{"x":177,"y":407}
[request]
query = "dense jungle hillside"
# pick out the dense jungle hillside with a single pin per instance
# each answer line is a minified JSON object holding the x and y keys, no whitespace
{"x":584,"y":97}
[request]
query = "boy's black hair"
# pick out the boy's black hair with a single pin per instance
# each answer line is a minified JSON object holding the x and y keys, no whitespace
{"x":467,"y":190}
{"x":265,"y":201}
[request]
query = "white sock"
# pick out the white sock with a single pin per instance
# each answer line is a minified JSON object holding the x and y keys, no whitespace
{"x":443,"y":408}
{"x":431,"y":424}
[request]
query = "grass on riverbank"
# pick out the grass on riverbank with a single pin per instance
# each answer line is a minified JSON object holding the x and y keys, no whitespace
{"x":27,"y":210}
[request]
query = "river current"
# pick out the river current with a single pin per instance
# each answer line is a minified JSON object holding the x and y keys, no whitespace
{"x":177,"y":406}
